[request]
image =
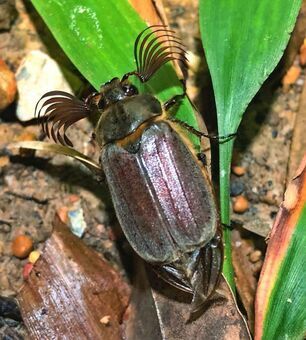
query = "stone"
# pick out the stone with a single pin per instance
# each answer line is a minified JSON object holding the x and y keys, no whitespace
{"x":238,"y":170}
{"x":7,"y":86}
{"x":241,"y":204}
{"x":34,"y":256}
{"x":236,"y":187}
{"x":303,"y":53}
{"x":292,"y":75}
{"x":36,"y":75}
{"x":22,"y":246}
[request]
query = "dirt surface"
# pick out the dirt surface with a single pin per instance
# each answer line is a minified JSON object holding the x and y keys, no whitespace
{"x":34,"y":187}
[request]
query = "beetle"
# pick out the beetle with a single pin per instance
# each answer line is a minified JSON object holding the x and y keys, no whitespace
{"x":162,"y":194}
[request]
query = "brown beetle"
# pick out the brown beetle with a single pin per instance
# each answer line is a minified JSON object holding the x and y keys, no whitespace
{"x":162,"y":195}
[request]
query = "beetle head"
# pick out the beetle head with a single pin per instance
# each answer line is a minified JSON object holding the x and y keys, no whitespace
{"x":112,"y":92}
{"x":59,"y":110}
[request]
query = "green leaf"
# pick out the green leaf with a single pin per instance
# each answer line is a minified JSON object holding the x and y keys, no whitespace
{"x":281,"y":293}
{"x":243,"y":42}
{"x":98,"y":36}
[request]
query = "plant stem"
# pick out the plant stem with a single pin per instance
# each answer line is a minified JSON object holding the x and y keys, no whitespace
{"x":226,"y":150}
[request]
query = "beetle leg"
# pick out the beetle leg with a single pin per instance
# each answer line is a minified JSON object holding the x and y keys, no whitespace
{"x":172,"y":101}
{"x":234,"y":224}
{"x":200,"y":134}
{"x":174,"y":276}
{"x":207,"y":275}
{"x":198,"y":273}
{"x":179,"y":274}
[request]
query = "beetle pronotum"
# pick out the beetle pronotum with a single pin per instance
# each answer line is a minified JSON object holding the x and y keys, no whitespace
{"x":162,"y":195}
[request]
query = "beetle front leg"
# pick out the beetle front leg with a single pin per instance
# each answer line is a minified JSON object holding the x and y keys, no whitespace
{"x":191,"y":129}
{"x":174,"y":100}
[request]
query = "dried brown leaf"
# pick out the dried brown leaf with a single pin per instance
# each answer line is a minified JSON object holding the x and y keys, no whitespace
{"x":164,"y":312}
{"x":70,"y":290}
{"x":150,"y":11}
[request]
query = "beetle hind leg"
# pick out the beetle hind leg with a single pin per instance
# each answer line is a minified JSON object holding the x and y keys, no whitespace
{"x":198,"y":273}
{"x":206,"y":278}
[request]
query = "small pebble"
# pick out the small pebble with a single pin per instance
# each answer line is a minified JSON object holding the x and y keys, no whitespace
{"x":236,"y":187}
{"x":238,"y":170}
{"x":292,"y":75}
{"x":255,"y":256}
{"x":241,"y":204}
{"x":77,"y":221}
{"x":8,"y":87}
{"x":27,"y":270}
{"x":105,"y":320}
{"x":22,"y":246}
{"x":303,"y":53}
{"x":34,"y":256}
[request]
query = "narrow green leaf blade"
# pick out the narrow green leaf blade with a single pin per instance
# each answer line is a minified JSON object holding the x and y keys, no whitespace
{"x":281,"y":293}
{"x":243,"y":42}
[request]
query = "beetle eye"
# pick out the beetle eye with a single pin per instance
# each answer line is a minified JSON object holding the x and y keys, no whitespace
{"x":130,"y":90}
{"x":101,"y":103}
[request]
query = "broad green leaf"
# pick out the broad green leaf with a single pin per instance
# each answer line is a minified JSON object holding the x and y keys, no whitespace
{"x":281,"y":293}
{"x":98,"y":36}
{"x":243,"y":41}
